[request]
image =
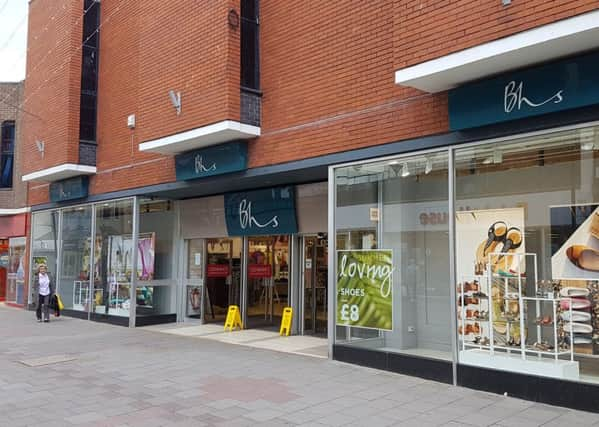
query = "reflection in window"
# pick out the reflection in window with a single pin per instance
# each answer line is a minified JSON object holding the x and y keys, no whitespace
{"x":7,"y":147}
{"x":387,"y":205}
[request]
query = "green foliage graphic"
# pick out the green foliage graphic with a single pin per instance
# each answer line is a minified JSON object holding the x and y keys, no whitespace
{"x":365,"y":289}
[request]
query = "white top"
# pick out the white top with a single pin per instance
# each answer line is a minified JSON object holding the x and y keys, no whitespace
{"x":44,"y":284}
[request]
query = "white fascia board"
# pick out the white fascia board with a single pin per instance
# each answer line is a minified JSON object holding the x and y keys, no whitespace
{"x":551,"y":41}
{"x":217,"y":133}
{"x":56,"y":173}
{"x":15,"y":211}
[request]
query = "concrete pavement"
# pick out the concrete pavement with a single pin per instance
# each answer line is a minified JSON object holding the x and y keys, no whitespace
{"x":74,"y":372}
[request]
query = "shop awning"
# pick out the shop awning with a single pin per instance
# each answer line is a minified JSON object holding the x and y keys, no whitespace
{"x":60,"y":172}
{"x":547,"y":42}
{"x":216,"y":133}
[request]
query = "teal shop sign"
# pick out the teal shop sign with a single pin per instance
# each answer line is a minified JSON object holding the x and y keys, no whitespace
{"x":261,"y":212}
{"x":69,"y":189}
{"x":558,"y":86}
{"x":215,"y":160}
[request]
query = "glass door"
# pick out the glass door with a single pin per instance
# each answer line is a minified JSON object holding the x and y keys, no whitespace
{"x":315,"y":267}
{"x":267,"y":280}
{"x":194,"y":278}
{"x":223,"y":277}
{"x":16,"y":271}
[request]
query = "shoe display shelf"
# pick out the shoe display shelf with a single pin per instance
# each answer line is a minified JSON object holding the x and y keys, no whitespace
{"x":81,"y":296}
{"x":515,"y":349}
{"x":474,"y":312}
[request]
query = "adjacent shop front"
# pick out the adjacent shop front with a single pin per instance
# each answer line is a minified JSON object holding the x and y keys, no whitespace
{"x":13,"y":230}
{"x":475,"y":261}
{"x":112,"y":260}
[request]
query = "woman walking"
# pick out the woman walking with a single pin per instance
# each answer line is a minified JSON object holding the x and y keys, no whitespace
{"x":43,"y":286}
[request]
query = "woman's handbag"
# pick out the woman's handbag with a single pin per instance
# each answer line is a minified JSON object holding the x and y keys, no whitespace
{"x":59,"y":302}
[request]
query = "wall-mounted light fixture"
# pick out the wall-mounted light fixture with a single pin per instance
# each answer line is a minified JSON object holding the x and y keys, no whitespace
{"x":506,"y":2}
{"x":175,"y":100}
{"x":41,"y":147}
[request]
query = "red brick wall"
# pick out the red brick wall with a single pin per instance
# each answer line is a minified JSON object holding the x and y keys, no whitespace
{"x":328,"y":67}
{"x":425,"y":30}
{"x":11,"y":94}
{"x":147,"y":49}
{"x":52,"y":84}
{"x":327,"y":73}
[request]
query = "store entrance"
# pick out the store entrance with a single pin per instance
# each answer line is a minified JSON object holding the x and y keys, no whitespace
{"x":315,"y":274}
{"x":267,"y":281}
{"x":223,"y":277}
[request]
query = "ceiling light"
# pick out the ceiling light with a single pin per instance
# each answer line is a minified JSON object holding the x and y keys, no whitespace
{"x":428,"y":167}
{"x":497,"y":156}
{"x":587,"y":145}
{"x":404,"y":170}
{"x":587,"y":139}
{"x":394,"y":162}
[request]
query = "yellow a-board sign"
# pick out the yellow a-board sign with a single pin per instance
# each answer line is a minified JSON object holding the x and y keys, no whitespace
{"x":286,"y":321}
{"x":233,"y":318}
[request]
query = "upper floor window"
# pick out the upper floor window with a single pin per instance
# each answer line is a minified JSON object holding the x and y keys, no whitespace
{"x":250,"y":45}
{"x":89,"y":71}
{"x":7,"y":154}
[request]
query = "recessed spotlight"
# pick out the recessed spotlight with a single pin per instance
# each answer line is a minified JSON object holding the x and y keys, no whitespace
{"x":428,"y":167}
{"x":405,"y":171}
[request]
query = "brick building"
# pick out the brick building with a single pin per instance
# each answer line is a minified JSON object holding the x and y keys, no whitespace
{"x":13,"y":199}
{"x":203,"y":155}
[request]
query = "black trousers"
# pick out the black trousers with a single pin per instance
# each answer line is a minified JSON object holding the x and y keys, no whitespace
{"x":43,"y":304}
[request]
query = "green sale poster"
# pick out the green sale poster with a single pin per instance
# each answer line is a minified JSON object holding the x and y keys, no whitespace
{"x":365,"y":288}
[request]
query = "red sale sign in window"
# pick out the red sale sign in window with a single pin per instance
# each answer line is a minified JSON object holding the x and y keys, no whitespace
{"x":217,"y":270}
{"x":259,"y":271}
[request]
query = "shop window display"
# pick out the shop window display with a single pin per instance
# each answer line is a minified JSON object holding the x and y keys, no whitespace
{"x":44,"y":241}
{"x":156,"y":286}
{"x":76,"y":283}
{"x":392,"y":260}
{"x":113,"y":258}
{"x":16,"y":270}
{"x":527,"y":254}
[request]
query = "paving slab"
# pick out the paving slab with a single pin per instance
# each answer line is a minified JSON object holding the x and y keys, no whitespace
{"x":168,"y":375}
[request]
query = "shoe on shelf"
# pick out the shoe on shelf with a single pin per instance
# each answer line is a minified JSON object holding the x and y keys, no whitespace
{"x":574,"y":292}
{"x":583,"y":328}
{"x":583,"y":257}
{"x":577,"y":316}
{"x":577,"y":304}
